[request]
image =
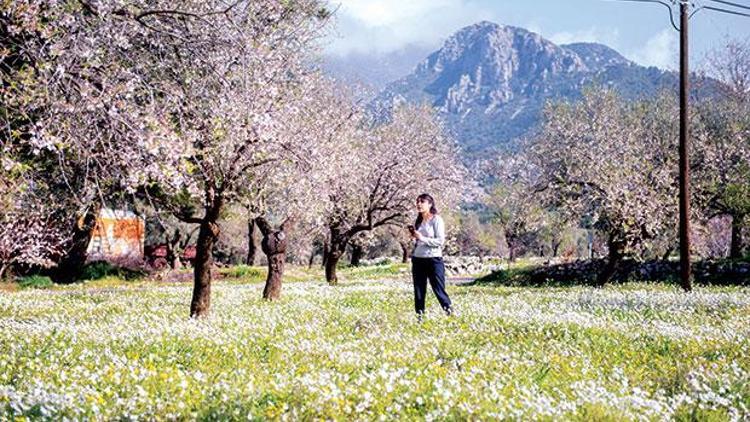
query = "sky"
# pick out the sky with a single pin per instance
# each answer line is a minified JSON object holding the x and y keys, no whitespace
{"x":639,"y":30}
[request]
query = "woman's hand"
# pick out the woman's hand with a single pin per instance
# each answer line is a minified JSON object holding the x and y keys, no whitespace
{"x":416,"y":235}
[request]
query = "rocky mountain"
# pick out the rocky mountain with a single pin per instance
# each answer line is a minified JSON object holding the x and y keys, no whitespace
{"x":597,"y":56}
{"x":490,"y":82}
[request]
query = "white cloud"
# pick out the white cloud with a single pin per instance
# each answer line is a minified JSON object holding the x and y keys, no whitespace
{"x":381,"y":26}
{"x":593,"y":34}
{"x":389,"y":12}
{"x":534,"y":27}
{"x":661,"y":50}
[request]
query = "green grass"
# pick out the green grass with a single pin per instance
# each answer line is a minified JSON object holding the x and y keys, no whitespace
{"x":295,"y":273}
{"x":35,"y":282}
{"x":245,"y":272}
{"x":516,"y":274}
{"x":355,"y":351}
{"x":375,"y":271}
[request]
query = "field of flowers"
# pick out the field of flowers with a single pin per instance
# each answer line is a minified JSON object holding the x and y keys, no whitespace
{"x":356,"y":351}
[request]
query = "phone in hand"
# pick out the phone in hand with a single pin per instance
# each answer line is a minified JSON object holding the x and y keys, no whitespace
{"x":411,"y":228}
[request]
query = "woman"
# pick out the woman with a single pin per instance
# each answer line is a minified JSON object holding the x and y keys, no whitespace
{"x":428,"y":233}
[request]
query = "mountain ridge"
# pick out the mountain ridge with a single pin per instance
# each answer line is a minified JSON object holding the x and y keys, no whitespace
{"x":489,"y":82}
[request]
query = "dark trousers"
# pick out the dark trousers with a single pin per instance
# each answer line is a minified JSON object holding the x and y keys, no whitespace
{"x":433,"y":269}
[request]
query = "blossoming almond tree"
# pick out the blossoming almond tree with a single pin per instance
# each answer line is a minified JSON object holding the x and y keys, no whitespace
{"x":512,"y":202}
{"x":48,"y":70}
{"x":614,"y":162}
{"x":382,"y":172}
{"x":251,"y":78}
{"x":723,"y":171}
{"x":30,"y":231}
{"x":722,"y":176}
{"x":288,"y":191}
{"x":186,"y":99}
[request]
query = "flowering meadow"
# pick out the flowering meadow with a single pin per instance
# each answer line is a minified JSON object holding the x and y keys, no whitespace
{"x":356,"y":351}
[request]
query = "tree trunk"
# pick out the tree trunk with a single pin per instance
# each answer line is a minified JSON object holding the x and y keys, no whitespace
{"x":272,"y":290}
{"x":326,"y":252}
{"x":511,"y":241}
{"x":204,"y":259}
{"x":555,"y":249}
{"x":405,"y":252}
{"x":312,"y":259}
{"x":208,"y":233}
{"x":174,"y":251}
{"x":336,"y":249}
{"x":3,"y":267}
{"x":331,"y":261}
{"x":176,"y":264}
{"x":274,"y":247}
{"x":735,"y":248}
{"x":71,"y":265}
{"x":616,"y":245}
{"x":357,"y":252}
{"x":250,"y":260}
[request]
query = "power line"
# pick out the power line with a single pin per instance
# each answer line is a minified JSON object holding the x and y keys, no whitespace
{"x":665,"y":4}
{"x":729,"y":3}
{"x":714,"y":23}
{"x":726,"y":11}
{"x":669,"y":4}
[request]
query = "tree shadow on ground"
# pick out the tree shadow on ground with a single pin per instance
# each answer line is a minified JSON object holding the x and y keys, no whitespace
{"x":583,"y":273}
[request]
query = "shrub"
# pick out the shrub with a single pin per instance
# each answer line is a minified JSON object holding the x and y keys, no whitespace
{"x":244,"y":271}
{"x":100,"y":269}
{"x":35,"y":282}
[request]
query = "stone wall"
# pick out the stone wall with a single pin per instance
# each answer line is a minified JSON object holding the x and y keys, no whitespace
{"x":585,"y":272}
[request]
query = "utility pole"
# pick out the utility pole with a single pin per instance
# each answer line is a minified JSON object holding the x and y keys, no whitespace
{"x":685,"y":266}
{"x":737,"y":9}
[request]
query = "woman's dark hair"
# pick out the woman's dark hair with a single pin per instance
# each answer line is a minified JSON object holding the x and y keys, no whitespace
{"x":433,"y":210}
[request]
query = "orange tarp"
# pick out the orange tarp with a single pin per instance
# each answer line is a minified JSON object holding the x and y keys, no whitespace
{"x":117,"y":234}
